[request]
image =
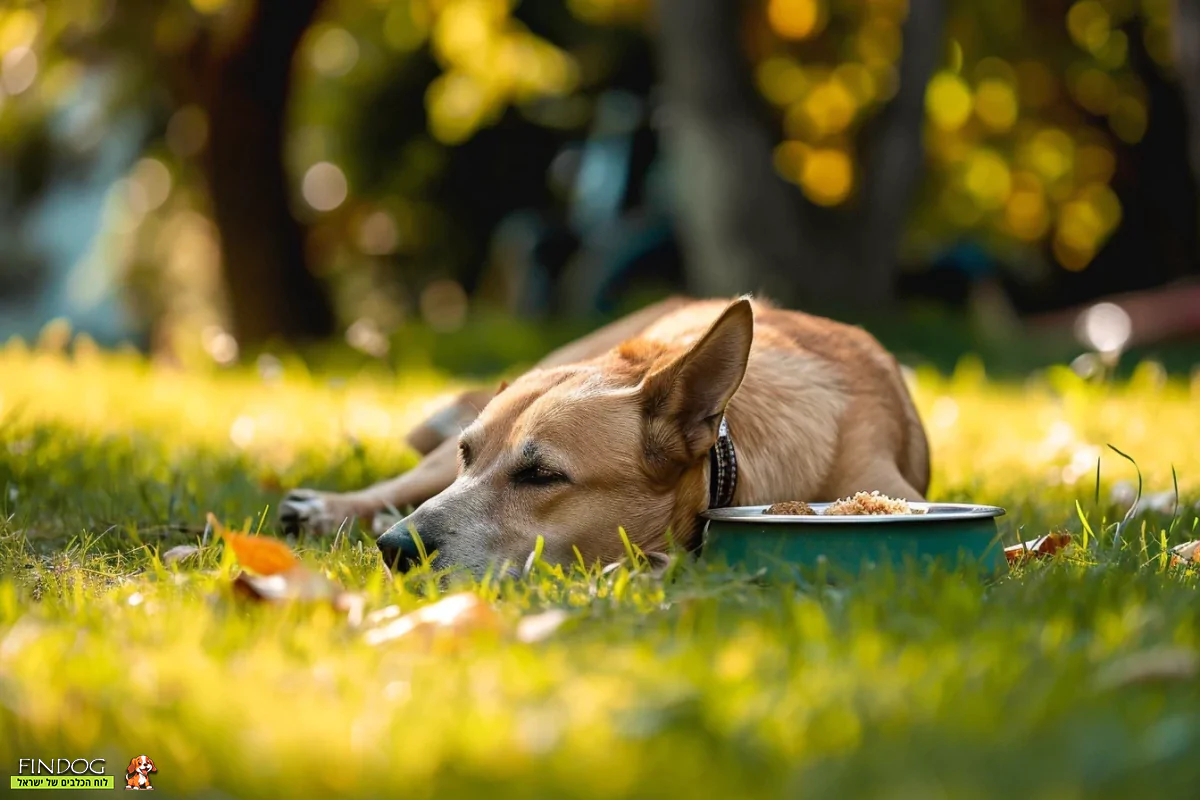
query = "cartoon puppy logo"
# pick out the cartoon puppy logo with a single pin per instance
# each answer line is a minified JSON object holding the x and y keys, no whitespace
{"x":137,"y":774}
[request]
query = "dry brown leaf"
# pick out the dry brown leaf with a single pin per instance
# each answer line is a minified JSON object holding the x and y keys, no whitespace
{"x":259,"y":554}
{"x":179,"y":553}
{"x":456,"y":614}
{"x":1042,"y":547}
{"x":300,"y":585}
{"x":1186,"y":553}
{"x":277,"y":576}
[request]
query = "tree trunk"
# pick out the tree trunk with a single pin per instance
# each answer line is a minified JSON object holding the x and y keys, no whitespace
{"x":740,"y":224}
{"x":1185,"y":26}
{"x":272,"y":293}
{"x":743,"y":227}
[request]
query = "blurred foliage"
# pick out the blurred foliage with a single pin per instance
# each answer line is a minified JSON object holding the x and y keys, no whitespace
{"x":1024,"y":121}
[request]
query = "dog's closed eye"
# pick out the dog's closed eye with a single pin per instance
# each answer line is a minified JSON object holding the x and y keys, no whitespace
{"x":538,"y":475}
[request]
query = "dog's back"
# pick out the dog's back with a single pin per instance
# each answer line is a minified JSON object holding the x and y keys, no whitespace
{"x":819,"y":399}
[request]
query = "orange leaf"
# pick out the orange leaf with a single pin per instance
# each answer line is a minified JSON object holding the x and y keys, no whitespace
{"x":1042,"y":547}
{"x":256,"y":553}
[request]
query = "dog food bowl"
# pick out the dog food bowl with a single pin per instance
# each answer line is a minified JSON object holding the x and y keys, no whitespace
{"x":950,"y":533}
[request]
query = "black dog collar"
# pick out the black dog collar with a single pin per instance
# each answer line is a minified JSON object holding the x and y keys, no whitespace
{"x":722,"y":469}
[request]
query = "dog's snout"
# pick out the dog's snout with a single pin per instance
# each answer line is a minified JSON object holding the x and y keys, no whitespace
{"x":399,"y":547}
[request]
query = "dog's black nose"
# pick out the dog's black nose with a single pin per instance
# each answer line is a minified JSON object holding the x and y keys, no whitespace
{"x":399,"y":548}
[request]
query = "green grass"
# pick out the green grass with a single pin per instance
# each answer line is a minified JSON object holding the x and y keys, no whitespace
{"x":919,"y":684}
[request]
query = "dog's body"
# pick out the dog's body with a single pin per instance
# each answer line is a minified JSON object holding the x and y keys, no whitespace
{"x":614,"y":431}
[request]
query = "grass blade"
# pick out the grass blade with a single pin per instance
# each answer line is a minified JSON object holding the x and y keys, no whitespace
{"x":1087,"y":527}
{"x":1136,"y":500}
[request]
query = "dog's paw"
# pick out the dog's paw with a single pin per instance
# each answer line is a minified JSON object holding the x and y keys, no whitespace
{"x":383,"y":522}
{"x":305,"y":509}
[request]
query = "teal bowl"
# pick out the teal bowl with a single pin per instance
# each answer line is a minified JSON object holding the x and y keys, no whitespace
{"x":948,"y":533}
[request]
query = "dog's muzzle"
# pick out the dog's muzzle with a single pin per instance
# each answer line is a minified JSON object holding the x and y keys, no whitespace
{"x":398,"y":545}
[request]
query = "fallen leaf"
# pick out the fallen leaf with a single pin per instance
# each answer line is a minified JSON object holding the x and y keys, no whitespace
{"x":259,"y":554}
{"x":536,"y":627}
{"x":300,"y":585}
{"x":296,"y":584}
{"x":456,"y":614}
{"x":1186,"y":553}
{"x":277,"y":576}
{"x":1149,"y":666}
{"x":1042,"y":547}
{"x":179,"y":553}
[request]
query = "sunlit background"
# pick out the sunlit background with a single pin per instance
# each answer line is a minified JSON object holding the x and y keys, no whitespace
{"x":209,"y":178}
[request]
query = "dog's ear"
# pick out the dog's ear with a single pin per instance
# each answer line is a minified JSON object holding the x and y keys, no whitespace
{"x":693,"y":390}
{"x":132,"y":768}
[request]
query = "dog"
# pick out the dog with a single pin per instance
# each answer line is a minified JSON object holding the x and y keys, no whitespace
{"x":137,"y":774}
{"x":643,"y":425}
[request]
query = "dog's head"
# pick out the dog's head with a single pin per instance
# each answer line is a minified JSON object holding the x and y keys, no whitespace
{"x":573,"y":454}
{"x":140,"y":765}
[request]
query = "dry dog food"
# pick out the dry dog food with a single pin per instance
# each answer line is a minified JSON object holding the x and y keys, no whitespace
{"x":792,"y":508}
{"x":860,"y":504}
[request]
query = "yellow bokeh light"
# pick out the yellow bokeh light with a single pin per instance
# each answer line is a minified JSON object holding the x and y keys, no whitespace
{"x":1095,"y":163}
{"x":1128,"y":120}
{"x":958,"y":208}
{"x":1071,"y":258}
{"x":1037,"y":84}
{"x":456,"y":104}
{"x":608,"y":12}
{"x":1027,"y":212}
{"x":405,"y":26}
{"x":789,"y":159}
{"x":948,"y":101}
{"x":987,"y":178}
{"x":1104,"y":202}
{"x":1095,"y":90}
{"x":858,"y":79}
{"x":830,"y":108}
{"x":1026,"y":215}
{"x":795,"y":19}
{"x":466,"y":29}
{"x":1051,"y":153}
{"x":209,"y":6}
{"x":956,"y":56}
{"x":18,"y":28}
{"x":1083,"y":225}
{"x":1115,"y":51}
{"x":827,"y":176}
{"x":1089,"y":24}
{"x":996,"y":104}
{"x":879,"y":42}
{"x":996,"y":68}
{"x":781,"y":80}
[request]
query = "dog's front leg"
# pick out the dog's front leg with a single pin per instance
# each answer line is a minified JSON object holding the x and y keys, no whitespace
{"x":325,"y":511}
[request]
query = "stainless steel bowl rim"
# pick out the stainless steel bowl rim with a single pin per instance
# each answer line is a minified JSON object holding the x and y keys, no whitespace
{"x":934,"y":512}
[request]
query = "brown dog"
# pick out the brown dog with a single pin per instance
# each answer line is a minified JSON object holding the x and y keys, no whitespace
{"x":643,"y":425}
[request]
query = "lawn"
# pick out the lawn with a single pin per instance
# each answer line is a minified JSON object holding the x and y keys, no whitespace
{"x":1072,"y":677}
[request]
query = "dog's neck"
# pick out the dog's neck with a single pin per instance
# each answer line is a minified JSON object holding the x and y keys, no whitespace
{"x":722,"y":469}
